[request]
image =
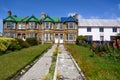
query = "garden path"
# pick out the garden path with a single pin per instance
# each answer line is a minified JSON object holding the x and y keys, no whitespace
{"x":66,"y":66}
{"x":41,"y":67}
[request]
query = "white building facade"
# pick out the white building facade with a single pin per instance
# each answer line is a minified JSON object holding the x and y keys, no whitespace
{"x":99,"y":29}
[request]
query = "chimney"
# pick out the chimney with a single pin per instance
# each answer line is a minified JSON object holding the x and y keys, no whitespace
{"x":9,"y":13}
{"x":76,"y":16}
{"x":43,"y":15}
{"x":15,"y":15}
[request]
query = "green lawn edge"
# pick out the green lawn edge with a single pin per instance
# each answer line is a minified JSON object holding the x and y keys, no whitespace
{"x":12,"y":63}
{"x":94,"y":68}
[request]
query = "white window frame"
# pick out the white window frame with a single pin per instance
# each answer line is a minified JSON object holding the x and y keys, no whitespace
{"x":48,"y":36}
{"x":31,"y":25}
{"x":71,"y":24}
{"x":71,"y":37}
{"x":47,"y":26}
{"x":7,"y":34}
{"x":31,"y":35}
{"x":8,"y":26}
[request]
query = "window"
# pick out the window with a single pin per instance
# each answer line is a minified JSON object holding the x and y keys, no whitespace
{"x":21,"y":26}
{"x":101,"y":29}
{"x":114,"y":29}
{"x":31,"y":25}
{"x":48,"y":37}
{"x":89,"y":39}
{"x":13,"y":25}
{"x":12,"y":35}
{"x":70,"y":37}
{"x":71,"y":25}
{"x":31,"y":35}
{"x":47,"y":25}
{"x":7,"y":34}
{"x":57,"y":26}
{"x":60,"y":26}
{"x":8,"y":25}
{"x":88,"y":29}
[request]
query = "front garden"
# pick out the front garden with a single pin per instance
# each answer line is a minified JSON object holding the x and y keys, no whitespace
{"x":15,"y":60}
{"x":97,"y":61}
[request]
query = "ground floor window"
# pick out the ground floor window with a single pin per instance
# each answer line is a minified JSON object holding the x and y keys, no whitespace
{"x":31,"y":35}
{"x":12,"y":35}
{"x":89,"y":39}
{"x":48,"y":37}
{"x":70,"y":37}
{"x":7,"y":34}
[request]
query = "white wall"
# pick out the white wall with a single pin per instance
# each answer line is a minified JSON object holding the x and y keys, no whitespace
{"x":96,"y":34}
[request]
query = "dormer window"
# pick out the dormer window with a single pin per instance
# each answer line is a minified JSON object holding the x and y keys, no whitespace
{"x":70,"y":25}
{"x":47,"y":25}
{"x":31,"y":25}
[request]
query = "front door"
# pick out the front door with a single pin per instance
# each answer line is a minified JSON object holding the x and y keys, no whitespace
{"x":61,"y":38}
{"x":56,"y":38}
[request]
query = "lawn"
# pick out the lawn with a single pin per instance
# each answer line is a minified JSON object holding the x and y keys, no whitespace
{"x":94,"y":68}
{"x":11,"y":63}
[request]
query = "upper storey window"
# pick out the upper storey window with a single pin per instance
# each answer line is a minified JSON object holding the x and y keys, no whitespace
{"x":10,"y":25}
{"x":21,"y":26}
{"x":114,"y":29}
{"x":88,"y":29}
{"x":48,"y":25}
{"x":101,"y":29}
{"x":58,"y":26}
{"x":70,"y":25}
{"x":31,"y":25}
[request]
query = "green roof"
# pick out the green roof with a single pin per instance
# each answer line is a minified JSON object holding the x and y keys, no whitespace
{"x":9,"y":18}
{"x":32,"y":18}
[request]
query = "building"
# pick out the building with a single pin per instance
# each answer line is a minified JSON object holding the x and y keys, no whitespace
{"x":99,"y":29}
{"x":45,"y":28}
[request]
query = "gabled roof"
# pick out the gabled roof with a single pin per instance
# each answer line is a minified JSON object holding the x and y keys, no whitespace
{"x":68,"y":19}
{"x":9,"y":18}
{"x":32,"y":18}
{"x":48,"y":19}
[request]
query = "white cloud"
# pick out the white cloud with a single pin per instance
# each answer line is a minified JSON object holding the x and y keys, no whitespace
{"x":119,"y":6}
{"x":94,"y":17}
{"x":79,"y":16}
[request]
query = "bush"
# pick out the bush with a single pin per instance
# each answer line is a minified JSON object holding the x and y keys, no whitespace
{"x":14,"y":46}
{"x":81,"y":40}
{"x":32,"y":41}
{"x":23,"y":44}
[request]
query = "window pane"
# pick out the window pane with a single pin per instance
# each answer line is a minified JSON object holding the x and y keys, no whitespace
{"x":47,"y":25}
{"x":7,"y":34}
{"x":8,"y":25}
{"x":88,"y":29}
{"x":114,"y":29}
{"x":13,"y":25}
{"x":71,"y":25}
{"x":31,"y":25}
{"x":101,"y":29}
{"x":60,"y":26}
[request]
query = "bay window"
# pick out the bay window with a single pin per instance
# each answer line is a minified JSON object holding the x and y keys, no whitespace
{"x":70,"y":37}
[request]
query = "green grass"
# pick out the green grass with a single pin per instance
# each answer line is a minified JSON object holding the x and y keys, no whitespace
{"x":11,"y":63}
{"x":94,"y":68}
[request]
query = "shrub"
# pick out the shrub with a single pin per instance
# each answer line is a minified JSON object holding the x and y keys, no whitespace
{"x":23,"y":44}
{"x":81,"y":40}
{"x":14,"y":46}
{"x":32,"y":41}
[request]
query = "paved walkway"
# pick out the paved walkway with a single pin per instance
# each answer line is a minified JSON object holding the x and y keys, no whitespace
{"x":41,"y":68}
{"x":66,"y":66}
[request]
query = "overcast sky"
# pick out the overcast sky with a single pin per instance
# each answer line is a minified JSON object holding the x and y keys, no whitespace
{"x":103,"y":9}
